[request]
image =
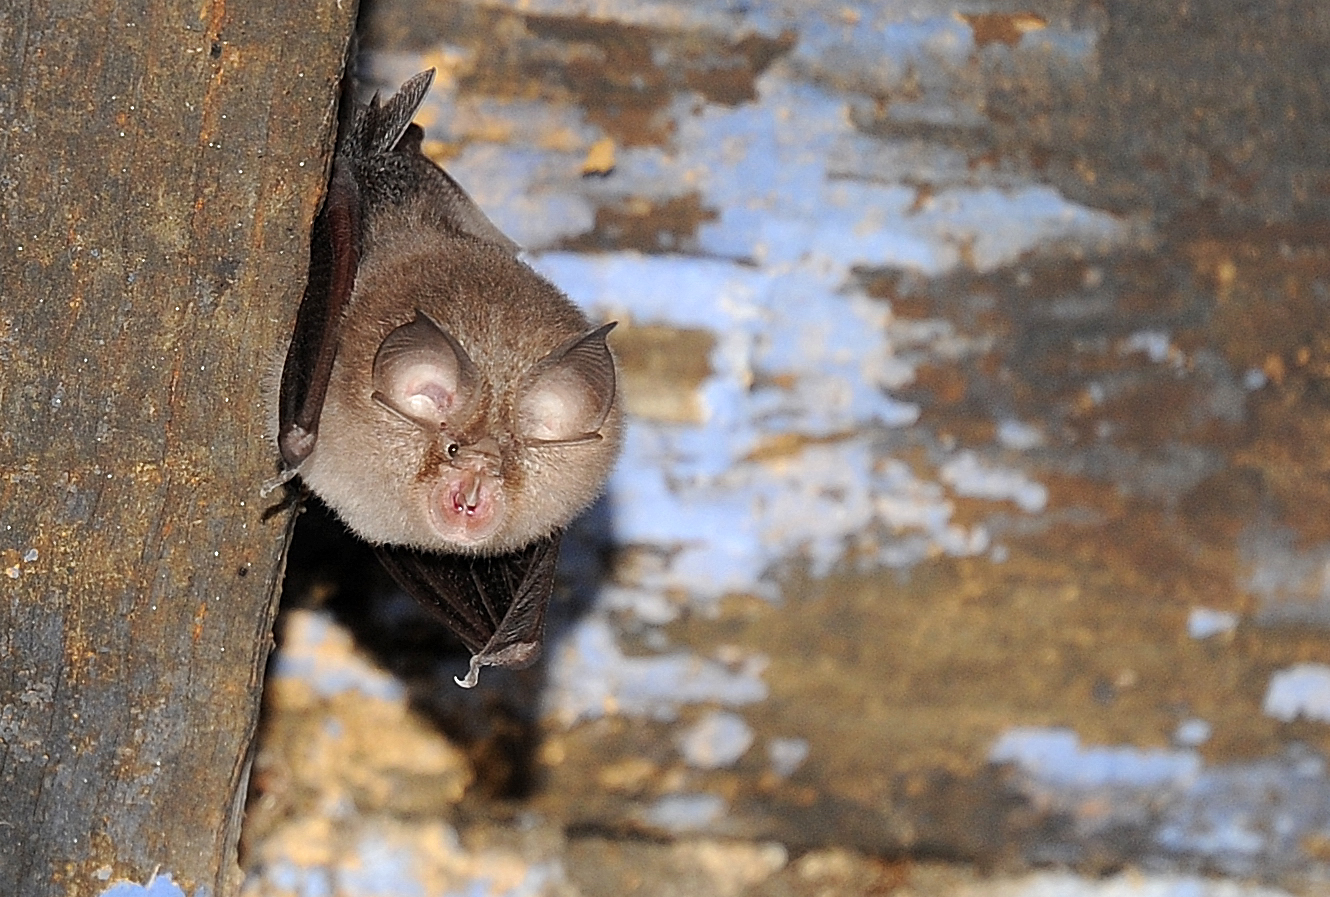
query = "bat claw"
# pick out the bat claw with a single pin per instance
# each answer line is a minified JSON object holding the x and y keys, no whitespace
{"x":472,"y":674}
{"x":277,"y":482}
{"x":517,"y":656}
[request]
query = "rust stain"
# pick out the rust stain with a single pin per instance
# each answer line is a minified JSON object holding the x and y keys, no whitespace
{"x":780,"y":448}
{"x":945,"y":384}
{"x":923,"y":198}
{"x":613,"y":70}
{"x":212,"y":15}
{"x":662,"y":370}
{"x":1274,"y":369}
{"x":652,"y":226}
{"x":1001,"y":27}
{"x":199,"y":616}
{"x":965,"y":253}
{"x":600,"y":158}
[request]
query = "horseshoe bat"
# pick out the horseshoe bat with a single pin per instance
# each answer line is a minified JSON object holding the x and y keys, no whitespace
{"x":450,"y":405}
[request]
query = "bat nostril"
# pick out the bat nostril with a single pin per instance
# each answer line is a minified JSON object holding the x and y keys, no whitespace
{"x":467,"y":502}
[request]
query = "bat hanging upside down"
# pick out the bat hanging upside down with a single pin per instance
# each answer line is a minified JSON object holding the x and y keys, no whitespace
{"x":452,"y":406}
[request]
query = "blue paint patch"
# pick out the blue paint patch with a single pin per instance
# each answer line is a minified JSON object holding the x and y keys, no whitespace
{"x":1204,"y":622}
{"x":289,"y":877}
{"x":1019,"y":436}
{"x":1192,"y":733}
{"x":1302,"y":691}
{"x":1291,"y":581}
{"x":1154,"y":344}
{"x":539,"y":880}
{"x":786,"y":755}
{"x":160,"y":886}
{"x":318,"y":652}
{"x":715,"y":741}
{"x":381,"y":867}
{"x":1055,"y":758}
{"x":973,"y":478}
{"x":590,"y":677}
{"x":1248,"y":817}
{"x":685,"y":812}
{"x":387,"y":857}
{"x":1238,"y":818}
{"x":1130,"y":884}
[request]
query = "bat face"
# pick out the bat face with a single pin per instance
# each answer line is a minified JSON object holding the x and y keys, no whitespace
{"x":471,"y":407}
{"x":453,"y":407}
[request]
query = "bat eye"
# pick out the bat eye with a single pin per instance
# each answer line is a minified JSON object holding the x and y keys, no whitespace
{"x":452,"y":449}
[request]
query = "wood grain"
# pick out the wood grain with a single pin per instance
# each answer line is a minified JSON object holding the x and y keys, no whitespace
{"x":160,"y":165}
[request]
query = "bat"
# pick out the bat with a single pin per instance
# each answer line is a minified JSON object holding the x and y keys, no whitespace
{"x":452,"y":407}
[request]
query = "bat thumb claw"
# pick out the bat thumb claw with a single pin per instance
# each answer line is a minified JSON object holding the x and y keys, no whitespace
{"x":277,"y":482}
{"x":515,"y":657}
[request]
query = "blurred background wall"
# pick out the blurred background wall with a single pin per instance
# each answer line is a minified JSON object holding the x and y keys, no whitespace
{"x":971,"y":534}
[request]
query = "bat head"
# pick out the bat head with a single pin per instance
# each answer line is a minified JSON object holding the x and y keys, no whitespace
{"x":470,"y":406}
{"x":423,"y":375}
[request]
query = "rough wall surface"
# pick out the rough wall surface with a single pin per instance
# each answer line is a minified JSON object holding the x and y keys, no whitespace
{"x":159,"y":169}
{"x":973,"y":505}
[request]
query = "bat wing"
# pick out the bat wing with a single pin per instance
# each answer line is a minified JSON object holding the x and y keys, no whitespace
{"x":450,"y":202}
{"x":334,"y":256}
{"x":495,"y":605}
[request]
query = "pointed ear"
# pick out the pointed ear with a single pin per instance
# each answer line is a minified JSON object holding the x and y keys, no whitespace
{"x":568,"y":393}
{"x":424,"y":375}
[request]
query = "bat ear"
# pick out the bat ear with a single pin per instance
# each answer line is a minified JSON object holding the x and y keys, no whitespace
{"x":569,"y":393}
{"x":423,"y":373}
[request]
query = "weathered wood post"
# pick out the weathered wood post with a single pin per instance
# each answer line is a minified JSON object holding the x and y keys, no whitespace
{"x":160,"y":164}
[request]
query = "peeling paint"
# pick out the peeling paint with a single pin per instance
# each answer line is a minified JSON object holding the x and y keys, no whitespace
{"x":160,"y":885}
{"x":1301,"y":691}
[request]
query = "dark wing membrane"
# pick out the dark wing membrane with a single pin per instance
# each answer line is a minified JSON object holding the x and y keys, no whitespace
{"x":378,"y":126}
{"x":495,"y":605}
{"x":334,"y":256}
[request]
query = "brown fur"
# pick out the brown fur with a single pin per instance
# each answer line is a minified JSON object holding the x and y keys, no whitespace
{"x":376,"y":469}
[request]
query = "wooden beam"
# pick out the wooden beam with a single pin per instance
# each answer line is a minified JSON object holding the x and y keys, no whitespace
{"x":160,"y":164}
